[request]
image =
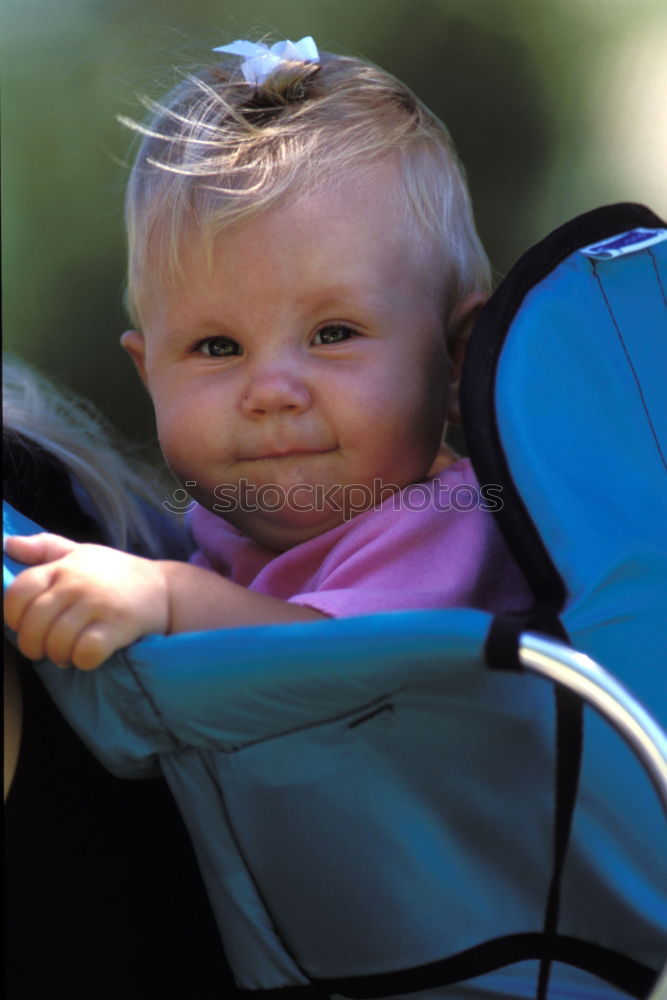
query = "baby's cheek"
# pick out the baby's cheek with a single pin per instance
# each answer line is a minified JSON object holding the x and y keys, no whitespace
{"x":179,"y":431}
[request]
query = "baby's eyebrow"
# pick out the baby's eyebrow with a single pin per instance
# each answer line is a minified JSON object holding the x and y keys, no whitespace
{"x":342,"y":294}
{"x":197,"y":326}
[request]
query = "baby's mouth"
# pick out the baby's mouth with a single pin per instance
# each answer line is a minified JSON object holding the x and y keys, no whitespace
{"x":284,"y":453}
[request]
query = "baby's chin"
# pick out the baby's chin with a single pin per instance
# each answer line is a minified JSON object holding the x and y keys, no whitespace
{"x":306,"y":514}
{"x":282,"y":530}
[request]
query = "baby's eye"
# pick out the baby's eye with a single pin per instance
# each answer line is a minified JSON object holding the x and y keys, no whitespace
{"x":218,"y":347}
{"x":333,"y":334}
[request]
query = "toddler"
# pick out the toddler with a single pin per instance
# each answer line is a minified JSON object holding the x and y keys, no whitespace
{"x":303,"y":275}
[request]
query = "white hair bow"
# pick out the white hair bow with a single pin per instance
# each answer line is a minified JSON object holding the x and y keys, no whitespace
{"x":261,"y":61}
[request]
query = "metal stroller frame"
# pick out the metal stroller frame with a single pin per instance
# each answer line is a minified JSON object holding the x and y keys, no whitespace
{"x":586,"y":678}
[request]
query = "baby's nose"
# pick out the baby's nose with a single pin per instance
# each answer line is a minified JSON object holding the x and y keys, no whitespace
{"x":276,"y":391}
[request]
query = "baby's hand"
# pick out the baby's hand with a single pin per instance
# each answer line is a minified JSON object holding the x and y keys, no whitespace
{"x":80,"y":603}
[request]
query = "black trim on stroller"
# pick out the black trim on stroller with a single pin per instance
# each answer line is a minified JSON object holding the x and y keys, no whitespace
{"x":625,"y":973}
{"x":629,"y":975}
{"x":479,"y":379}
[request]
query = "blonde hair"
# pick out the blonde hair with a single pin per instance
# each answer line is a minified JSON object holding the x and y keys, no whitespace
{"x":35,"y":410}
{"x":218,"y":150}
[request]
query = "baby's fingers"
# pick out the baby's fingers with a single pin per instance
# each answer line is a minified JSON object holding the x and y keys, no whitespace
{"x":61,"y":641}
{"x":31,"y":610}
{"x":74,"y":638}
{"x":69,"y":633}
{"x":40,"y":548}
{"x":22,"y":592}
{"x":94,"y":644}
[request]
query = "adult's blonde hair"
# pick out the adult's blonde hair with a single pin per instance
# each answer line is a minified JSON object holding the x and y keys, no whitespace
{"x":36,"y":411}
{"x":218,"y":150}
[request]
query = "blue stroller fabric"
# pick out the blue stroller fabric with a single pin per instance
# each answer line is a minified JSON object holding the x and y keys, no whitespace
{"x":376,"y":808}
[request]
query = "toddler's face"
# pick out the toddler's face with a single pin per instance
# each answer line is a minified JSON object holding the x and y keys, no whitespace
{"x":307,"y":370}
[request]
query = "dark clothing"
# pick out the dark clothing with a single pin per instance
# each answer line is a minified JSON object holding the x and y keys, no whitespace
{"x":103,"y":897}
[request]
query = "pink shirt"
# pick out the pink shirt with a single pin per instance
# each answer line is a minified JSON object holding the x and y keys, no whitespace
{"x":432,"y":545}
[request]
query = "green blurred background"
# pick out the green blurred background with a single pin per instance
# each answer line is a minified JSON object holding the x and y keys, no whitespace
{"x":556,"y":106}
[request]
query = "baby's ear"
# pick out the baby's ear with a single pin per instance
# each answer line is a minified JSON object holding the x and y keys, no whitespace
{"x":460,"y":328}
{"x":133,"y":342}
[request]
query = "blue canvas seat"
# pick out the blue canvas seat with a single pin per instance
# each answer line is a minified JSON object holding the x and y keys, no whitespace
{"x":386,"y":805}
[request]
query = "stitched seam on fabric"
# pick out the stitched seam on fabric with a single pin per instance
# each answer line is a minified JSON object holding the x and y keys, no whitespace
{"x":657,"y":275}
{"x":319,"y":722}
{"x":238,"y":843}
{"x":630,"y":363}
{"x":151,"y":701}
